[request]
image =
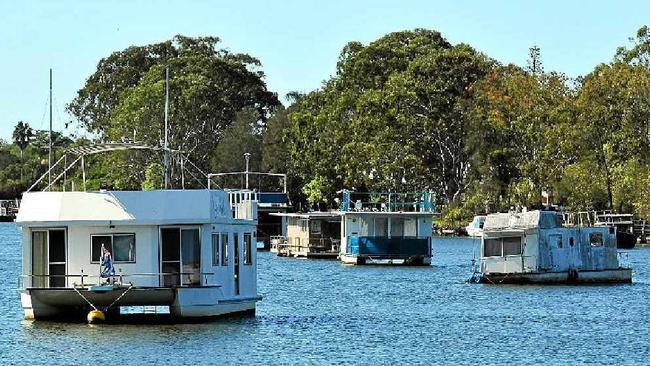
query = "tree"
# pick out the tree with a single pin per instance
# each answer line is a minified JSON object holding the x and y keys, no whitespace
{"x":239,"y":138}
{"x":22,"y":136}
{"x":124,"y":99}
{"x":535,"y":60}
{"x":393,"y":118}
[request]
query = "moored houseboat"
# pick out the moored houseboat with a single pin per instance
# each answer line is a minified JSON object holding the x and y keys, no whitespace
{"x":309,"y":235}
{"x":535,"y":247}
{"x":386,"y":228}
{"x":188,"y":252}
{"x":475,"y":228}
{"x":270,"y":191}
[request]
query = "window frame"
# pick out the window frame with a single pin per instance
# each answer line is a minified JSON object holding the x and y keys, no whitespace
{"x":248,"y":249}
{"x":217,"y":236}
{"x":225,"y":244}
{"x":112,"y":235}
{"x":502,"y":252}
{"x":597,"y":235}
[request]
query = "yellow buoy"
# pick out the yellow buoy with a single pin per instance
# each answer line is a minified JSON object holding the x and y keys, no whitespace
{"x":96,"y":316}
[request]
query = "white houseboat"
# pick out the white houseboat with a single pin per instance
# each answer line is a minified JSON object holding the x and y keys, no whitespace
{"x":189,"y":253}
{"x":534,"y":247}
{"x":475,"y":228}
{"x":386,"y":228}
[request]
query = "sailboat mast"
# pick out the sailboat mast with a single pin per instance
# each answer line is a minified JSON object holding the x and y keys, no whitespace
{"x":166,"y":147}
{"x":49,"y":158}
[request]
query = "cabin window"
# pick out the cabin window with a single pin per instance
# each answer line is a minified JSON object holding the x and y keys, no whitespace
{"x":121,"y":246}
{"x":215,"y":248}
{"x":512,"y":246}
{"x":502,"y":247}
{"x":492,"y":248}
{"x":381,"y":226}
{"x":315,"y":227}
{"x":224,"y":249}
{"x":596,"y":239}
{"x":555,"y":241}
{"x":397,"y":227}
{"x":248,"y":248}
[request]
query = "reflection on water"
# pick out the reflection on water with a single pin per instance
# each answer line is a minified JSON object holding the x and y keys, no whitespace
{"x":321,"y":312}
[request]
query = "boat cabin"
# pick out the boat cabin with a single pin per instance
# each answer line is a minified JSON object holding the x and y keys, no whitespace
{"x":386,"y":228}
{"x":309,"y":235}
{"x":270,"y":193}
{"x":186,"y":250}
{"x":534,"y":247}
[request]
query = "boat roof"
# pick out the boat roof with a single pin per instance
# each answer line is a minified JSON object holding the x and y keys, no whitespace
{"x":390,"y":213}
{"x":522,"y":220}
{"x":310,"y":215}
{"x":157,"y":207}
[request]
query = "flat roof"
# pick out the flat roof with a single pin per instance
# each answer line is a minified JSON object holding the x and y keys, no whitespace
{"x":309,"y":215}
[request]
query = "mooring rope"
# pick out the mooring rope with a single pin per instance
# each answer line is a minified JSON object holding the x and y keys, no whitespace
{"x":119,"y":297}
{"x":74,"y":287}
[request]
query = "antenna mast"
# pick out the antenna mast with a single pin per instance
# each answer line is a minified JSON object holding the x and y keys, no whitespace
{"x":49,"y":157}
{"x":166,"y":148}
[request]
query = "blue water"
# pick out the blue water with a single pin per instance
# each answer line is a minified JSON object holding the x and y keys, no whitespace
{"x":320,"y":312}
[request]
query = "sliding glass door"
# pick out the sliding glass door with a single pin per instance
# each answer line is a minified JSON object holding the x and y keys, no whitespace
{"x":49,"y":258}
{"x":180,"y":260}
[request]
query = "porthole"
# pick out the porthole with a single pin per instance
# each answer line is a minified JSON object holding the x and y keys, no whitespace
{"x":571,"y":241}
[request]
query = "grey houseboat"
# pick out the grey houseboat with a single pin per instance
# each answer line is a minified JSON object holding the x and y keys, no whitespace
{"x":534,"y":247}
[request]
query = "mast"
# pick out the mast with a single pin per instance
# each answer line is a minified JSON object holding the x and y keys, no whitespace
{"x":49,"y":157}
{"x":247,"y":156}
{"x":165,"y":149}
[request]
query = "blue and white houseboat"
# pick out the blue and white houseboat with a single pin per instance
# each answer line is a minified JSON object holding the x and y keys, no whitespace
{"x":386,"y":228}
{"x":535,"y":247}
{"x":189,"y":253}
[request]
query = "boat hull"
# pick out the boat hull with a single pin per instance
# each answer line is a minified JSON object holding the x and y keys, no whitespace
{"x":183,"y":303}
{"x":621,"y":275}
{"x":375,"y":260}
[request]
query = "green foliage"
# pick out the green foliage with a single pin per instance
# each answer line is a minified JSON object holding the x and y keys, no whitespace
{"x":154,"y":177}
{"x":238,"y":139}
{"x":393,"y":118}
{"x":318,"y":191}
{"x":124,"y":99}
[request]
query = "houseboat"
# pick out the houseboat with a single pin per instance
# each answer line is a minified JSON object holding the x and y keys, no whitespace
{"x":270,"y":191}
{"x":535,"y":247}
{"x":386,"y":228}
{"x":475,"y":228}
{"x":309,"y":235}
{"x":624,"y":224}
{"x":189,"y":253}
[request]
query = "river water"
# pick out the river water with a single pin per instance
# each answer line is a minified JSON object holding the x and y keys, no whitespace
{"x":321,"y":312}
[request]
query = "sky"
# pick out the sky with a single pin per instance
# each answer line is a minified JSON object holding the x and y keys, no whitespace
{"x":298,"y":42}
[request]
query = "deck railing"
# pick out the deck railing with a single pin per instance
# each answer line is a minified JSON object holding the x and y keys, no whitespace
{"x":86,"y":280}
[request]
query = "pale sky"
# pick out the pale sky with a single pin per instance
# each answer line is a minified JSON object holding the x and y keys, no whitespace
{"x":298,"y":42}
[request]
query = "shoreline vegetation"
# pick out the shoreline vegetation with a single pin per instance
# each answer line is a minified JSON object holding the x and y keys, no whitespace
{"x":407,"y":112}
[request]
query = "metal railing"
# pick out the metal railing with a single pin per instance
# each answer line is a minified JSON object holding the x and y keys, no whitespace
{"x":87,"y":280}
